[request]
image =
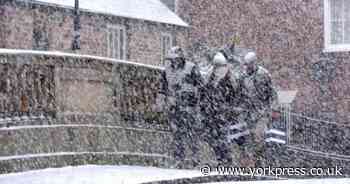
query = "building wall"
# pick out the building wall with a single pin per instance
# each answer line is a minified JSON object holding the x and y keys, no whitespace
{"x":41,"y":27}
{"x":2,"y":26}
{"x":17,"y":27}
{"x":288,"y":37}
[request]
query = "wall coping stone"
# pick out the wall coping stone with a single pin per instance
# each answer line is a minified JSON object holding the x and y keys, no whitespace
{"x":64,"y":54}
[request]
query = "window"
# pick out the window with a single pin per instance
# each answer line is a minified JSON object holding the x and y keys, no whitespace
{"x":116,"y":39}
{"x":40,"y":36}
{"x":337,"y":25}
{"x":166,"y":44}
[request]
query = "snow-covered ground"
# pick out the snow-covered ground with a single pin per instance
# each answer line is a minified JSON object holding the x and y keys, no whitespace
{"x":294,"y":181}
{"x":92,"y":174}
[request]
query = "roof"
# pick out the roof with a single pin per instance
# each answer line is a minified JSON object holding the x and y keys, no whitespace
{"x":151,"y":10}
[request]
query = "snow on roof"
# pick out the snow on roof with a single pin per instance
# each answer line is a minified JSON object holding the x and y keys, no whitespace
{"x":152,"y":10}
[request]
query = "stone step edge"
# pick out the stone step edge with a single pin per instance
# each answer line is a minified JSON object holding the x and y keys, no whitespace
{"x":29,"y":156}
{"x":22,"y":163}
{"x":13,"y":128}
{"x":214,"y":178}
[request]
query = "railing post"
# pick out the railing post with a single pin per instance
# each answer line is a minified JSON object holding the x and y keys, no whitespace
{"x":287,"y":124}
{"x":285,"y":99}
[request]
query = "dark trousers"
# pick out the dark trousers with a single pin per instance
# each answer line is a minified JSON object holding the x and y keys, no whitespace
{"x":185,"y":132}
{"x":216,"y":136}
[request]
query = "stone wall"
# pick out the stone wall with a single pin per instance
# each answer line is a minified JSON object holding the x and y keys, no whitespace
{"x":63,"y":109}
{"x":288,"y":37}
{"x":42,"y":27}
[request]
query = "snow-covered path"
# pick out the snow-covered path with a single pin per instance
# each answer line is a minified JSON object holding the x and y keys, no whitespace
{"x":294,"y":181}
{"x":91,"y":174}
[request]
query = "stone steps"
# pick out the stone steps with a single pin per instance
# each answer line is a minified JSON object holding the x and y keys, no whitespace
{"x":213,"y":178}
{"x":28,"y":121}
{"x":73,"y":159}
{"x":287,"y":156}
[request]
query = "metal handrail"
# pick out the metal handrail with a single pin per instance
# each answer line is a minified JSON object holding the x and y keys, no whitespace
{"x":310,"y":140}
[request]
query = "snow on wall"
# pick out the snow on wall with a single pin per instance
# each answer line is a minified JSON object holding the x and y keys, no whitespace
{"x":65,"y":54}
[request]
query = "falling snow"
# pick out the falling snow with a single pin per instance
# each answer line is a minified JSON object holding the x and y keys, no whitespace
{"x":137,"y":91}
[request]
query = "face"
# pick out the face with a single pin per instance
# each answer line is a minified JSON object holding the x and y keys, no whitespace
{"x":220,"y":71}
{"x":249,"y":68}
{"x":175,"y":62}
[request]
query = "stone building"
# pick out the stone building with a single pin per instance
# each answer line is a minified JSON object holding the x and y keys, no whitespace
{"x":305,"y":45}
{"x":139,"y":31}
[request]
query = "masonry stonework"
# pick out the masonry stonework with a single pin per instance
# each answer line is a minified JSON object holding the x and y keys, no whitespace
{"x":43,"y":27}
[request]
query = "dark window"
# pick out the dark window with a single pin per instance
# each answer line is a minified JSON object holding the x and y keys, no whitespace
{"x":166,"y":44}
